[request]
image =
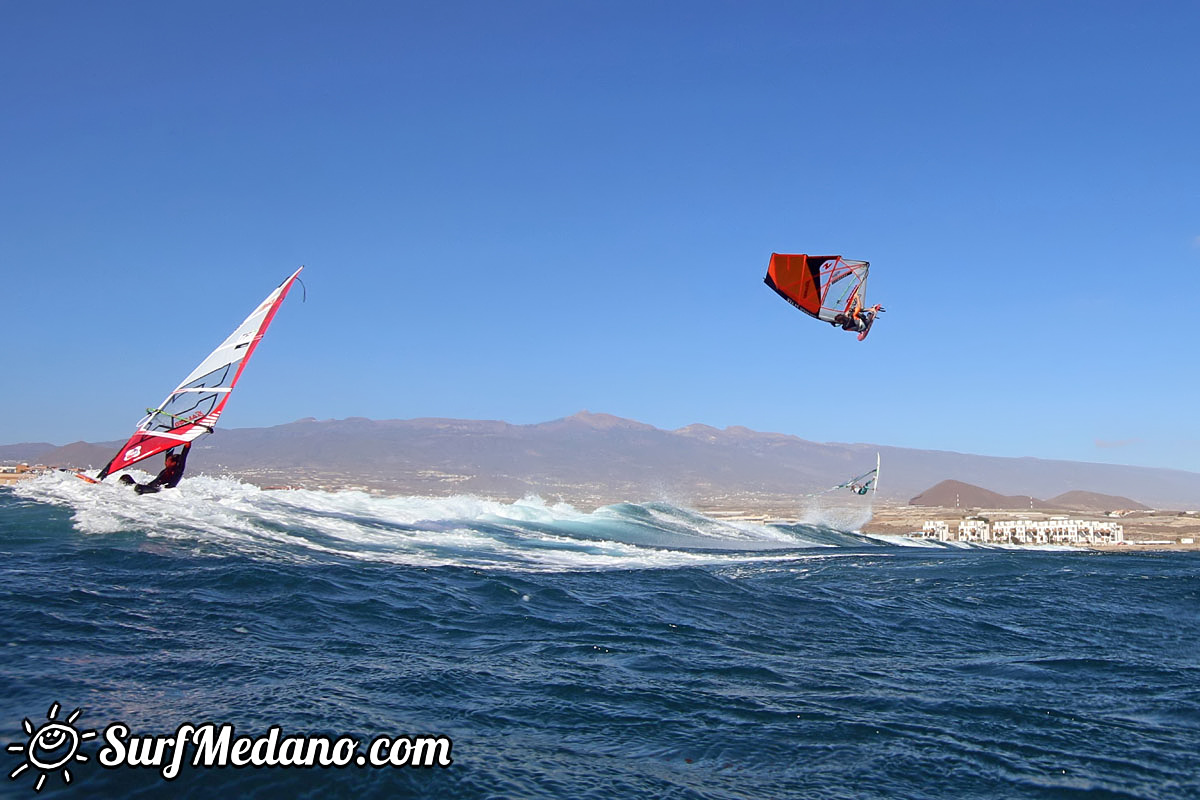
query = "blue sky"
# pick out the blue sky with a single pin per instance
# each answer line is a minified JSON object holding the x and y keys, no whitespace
{"x":519,"y":210}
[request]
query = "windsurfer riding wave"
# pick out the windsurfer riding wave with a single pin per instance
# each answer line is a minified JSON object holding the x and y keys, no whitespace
{"x":170,"y":476}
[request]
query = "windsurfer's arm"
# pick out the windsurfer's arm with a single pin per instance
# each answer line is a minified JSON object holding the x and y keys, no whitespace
{"x":162,"y":480}
{"x":172,"y":479}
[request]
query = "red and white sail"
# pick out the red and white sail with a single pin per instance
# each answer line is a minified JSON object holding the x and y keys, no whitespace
{"x":192,"y":409}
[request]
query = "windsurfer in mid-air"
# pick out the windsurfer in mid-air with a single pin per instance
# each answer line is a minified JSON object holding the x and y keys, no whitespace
{"x":857,"y":319}
{"x":170,"y":476}
{"x":830,"y":288}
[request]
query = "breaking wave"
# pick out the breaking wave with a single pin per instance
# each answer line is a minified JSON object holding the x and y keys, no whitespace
{"x":530,"y":534}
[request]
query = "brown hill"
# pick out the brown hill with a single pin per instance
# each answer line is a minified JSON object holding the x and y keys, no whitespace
{"x":26,"y":452}
{"x":956,"y":494}
{"x":82,"y":454}
{"x":1094,"y":502}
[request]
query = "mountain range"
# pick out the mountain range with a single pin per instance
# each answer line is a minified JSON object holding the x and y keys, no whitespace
{"x":593,"y":459}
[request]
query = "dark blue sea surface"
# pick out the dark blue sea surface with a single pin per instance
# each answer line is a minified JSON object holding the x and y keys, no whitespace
{"x":635,"y":651}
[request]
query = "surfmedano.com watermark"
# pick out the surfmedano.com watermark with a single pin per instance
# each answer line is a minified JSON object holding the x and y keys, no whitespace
{"x":53,"y":747}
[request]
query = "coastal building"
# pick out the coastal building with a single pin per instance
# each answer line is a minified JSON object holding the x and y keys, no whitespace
{"x":973,"y":529}
{"x":1054,"y":530}
{"x":936,"y":529}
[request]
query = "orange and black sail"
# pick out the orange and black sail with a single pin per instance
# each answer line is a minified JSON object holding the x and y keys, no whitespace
{"x":820,"y":286}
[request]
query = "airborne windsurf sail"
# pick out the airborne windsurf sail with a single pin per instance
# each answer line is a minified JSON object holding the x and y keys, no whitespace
{"x":867,"y":482}
{"x":192,"y":408}
{"x":820,"y":286}
{"x":859,"y":484}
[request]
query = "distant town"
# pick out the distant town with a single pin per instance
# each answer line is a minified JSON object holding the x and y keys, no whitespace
{"x":11,"y":473}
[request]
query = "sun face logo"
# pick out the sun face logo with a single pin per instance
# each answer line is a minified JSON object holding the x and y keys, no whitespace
{"x":52,"y":746}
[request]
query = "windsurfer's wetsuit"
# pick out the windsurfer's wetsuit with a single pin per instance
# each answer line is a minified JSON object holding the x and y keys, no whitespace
{"x":169,"y":478}
{"x":855,"y":322}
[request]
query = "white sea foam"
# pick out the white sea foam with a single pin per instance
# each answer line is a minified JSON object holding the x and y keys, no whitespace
{"x":841,"y":511}
{"x":223,"y":514}
{"x":904,"y":541}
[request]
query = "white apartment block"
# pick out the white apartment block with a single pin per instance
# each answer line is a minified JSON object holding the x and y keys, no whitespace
{"x":936,"y":529}
{"x":973,"y":530}
{"x":1055,"y":530}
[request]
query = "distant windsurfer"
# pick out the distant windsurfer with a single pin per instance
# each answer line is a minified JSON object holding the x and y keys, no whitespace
{"x":170,"y":476}
{"x":857,"y":319}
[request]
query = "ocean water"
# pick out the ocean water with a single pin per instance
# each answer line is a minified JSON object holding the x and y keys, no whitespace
{"x":640,"y":650}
